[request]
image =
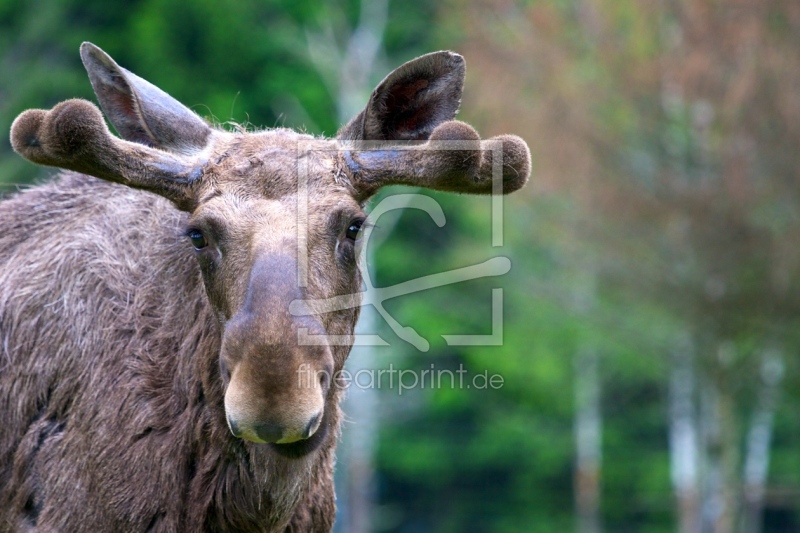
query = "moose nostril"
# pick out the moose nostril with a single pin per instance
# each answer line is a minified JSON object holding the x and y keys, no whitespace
{"x":234,"y":427}
{"x":312,"y":426}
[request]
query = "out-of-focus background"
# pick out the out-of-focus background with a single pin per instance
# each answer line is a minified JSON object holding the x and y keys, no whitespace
{"x":649,"y":355}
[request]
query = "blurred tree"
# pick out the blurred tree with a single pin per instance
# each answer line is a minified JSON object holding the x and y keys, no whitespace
{"x":349,"y":73}
{"x":672,"y":126}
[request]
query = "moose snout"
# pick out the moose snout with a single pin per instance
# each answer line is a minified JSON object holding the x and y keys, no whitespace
{"x":279,"y":397}
{"x":276,"y":385}
{"x":282,"y":425}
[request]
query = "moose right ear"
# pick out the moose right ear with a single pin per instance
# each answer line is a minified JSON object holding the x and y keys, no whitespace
{"x":411,"y":101}
{"x":140,"y":111}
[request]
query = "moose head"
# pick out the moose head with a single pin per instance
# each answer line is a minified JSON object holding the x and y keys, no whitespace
{"x":274,"y":215}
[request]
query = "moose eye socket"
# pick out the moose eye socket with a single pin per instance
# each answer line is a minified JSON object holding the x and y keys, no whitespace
{"x":354,"y":229}
{"x":198,"y":240}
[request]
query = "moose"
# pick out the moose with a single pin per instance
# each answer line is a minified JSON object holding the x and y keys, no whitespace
{"x":148,"y":356}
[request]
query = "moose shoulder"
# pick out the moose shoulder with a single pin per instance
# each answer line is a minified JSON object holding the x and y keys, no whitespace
{"x":148,"y":358}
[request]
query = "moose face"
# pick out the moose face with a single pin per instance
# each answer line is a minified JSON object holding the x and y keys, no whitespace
{"x":262,"y":244}
{"x":274,"y":216}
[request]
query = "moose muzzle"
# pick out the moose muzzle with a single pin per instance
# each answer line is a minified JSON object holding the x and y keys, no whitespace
{"x":276,"y":387}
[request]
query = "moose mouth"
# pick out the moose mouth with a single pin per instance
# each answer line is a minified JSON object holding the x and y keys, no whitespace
{"x":301,"y":448}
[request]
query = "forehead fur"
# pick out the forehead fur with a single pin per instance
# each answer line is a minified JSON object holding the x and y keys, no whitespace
{"x":275,"y":164}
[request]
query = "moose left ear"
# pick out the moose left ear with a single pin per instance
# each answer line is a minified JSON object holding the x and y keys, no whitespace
{"x":140,"y":111}
{"x":411,"y":101}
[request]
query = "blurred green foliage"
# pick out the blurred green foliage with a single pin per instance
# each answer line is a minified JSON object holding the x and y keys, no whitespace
{"x":244,"y":61}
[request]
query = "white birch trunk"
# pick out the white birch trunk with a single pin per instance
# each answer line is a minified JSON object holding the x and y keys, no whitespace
{"x":720,"y":454}
{"x":710,"y":501}
{"x":588,"y":428}
{"x":588,"y":441}
{"x":683,"y":441}
{"x":759,"y":439}
{"x":351,"y":86}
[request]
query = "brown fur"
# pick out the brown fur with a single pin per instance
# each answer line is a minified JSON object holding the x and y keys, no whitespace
{"x":128,"y":359}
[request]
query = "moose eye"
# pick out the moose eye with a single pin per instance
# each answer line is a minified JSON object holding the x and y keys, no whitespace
{"x":197,"y":238}
{"x":354,"y":229}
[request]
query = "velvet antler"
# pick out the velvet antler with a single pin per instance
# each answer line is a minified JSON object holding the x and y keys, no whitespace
{"x":74,"y":136}
{"x":453,"y":159}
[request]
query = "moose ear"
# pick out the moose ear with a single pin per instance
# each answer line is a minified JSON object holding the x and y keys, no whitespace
{"x":411,"y":101}
{"x":140,"y":111}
